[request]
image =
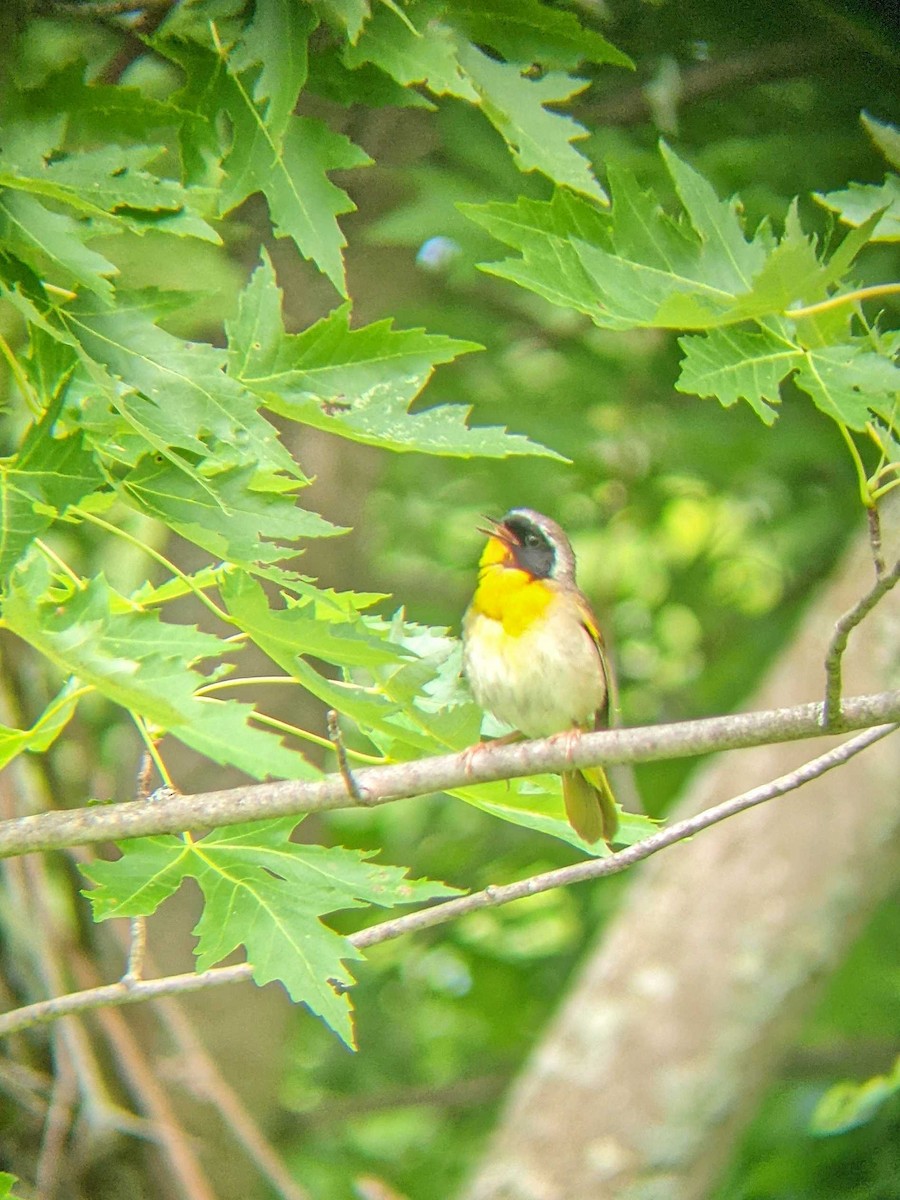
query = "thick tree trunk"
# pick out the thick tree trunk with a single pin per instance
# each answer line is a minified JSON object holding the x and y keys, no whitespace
{"x":650,"y":1072}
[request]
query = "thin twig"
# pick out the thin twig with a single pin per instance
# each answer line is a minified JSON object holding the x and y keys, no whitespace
{"x":713,"y":78}
{"x":448,"y":910}
{"x":337,"y":740}
{"x":136,"y":950}
{"x":152,"y":1100}
{"x":137,"y":947}
{"x":873,"y":516}
{"x":198,"y":1068}
{"x":174,"y":813}
{"x":843,"y":627}
{"x":144,"y":777}
{"x":57,"y":1122}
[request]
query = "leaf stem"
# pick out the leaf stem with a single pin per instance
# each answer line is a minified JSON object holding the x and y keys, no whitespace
{"x":189,"y":583}
{"x":152,"y":749}
{"x":866,"y":293}
{"x":28,"y":393}
{"x":63,"y":566}
{"x":273,"y":722}
{"x":865,"y":492}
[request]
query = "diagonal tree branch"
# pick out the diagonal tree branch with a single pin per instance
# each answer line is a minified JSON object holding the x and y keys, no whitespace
{"x":172,"y":813}
{"x":843,"y":627}
{"x":128,"y":991}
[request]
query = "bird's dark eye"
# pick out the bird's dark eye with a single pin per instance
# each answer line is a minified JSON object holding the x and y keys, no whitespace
{"x":532,"y":539}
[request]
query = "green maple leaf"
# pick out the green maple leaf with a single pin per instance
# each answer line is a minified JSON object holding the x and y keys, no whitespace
{"x":414,"y":45}
{"x":96,"y":112}
{"x":640,"y":267}
{"x":144,"y":665}
{"x":356,"y":383}
{"x":276,"y":41}
{"x":274,"y":632}
{"x":225,"y":513}
{"x":885,"y":136}
{"x":848,"y":382}
{"x":288,"y":161}
{"x":536,"y":803}
{"x":266,"y":893}
{"x":527,"y":32}
{"x":546,"y":233}
{"x":52,"y":243}
{"x":540,"y":140}
{"x":7,"y":1182}
{"x":177,"y":394}
{"x":737,"y":364}
{"x":388,"y":669}
{"x":347,"y":16}
{"x":792,"y":271}
{"x":856,"y":204}
{"x":37,"y":486}
{"x":45,"y":730}
{"x":110,"y":186}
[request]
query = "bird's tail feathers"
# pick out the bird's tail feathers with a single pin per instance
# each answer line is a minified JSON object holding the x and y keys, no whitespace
{"x":590,"y":804}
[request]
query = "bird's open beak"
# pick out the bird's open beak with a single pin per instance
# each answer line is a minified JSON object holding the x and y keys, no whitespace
{"x":498,"y":530}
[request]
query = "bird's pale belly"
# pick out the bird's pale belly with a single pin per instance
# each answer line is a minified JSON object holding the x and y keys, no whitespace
{"x":539,"y":682}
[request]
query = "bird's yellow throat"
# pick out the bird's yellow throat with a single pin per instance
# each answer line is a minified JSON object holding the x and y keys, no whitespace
{"x":507,"y":594}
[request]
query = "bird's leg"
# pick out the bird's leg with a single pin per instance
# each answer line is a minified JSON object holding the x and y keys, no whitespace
{"x":569,"y":738}
{"x":471,"y":752}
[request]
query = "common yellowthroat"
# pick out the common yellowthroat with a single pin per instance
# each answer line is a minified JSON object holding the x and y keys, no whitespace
{"x":534,"y":656}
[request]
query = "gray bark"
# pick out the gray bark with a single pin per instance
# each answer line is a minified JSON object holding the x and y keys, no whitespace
{"x":649,"y":1074}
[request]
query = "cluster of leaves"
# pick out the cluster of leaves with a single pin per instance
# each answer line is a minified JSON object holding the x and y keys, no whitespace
{"x":760,"y":309}
{"x":129,"y":429}
{"x":125,"y":419}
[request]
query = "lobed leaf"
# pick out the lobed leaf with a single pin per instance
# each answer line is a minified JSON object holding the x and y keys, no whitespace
{"x":47,"y":475}
{"x":145,"y":665}
{"x":415,"y":46}
{"x":356,"y":383}
{"x":267,"y":894}
{"x":737,"y":364}
{"x":540,"y":140}
{"x":527,"y":32}
{"x":46,"y":729}
{"x":856,"y":204}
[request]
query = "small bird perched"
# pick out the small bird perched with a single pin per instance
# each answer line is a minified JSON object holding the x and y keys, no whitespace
{"x":533,"y":653}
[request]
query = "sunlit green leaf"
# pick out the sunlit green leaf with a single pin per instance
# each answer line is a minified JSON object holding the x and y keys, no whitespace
{"x":145,"y":665}
{"x":540,"y":140}
{"x":526,"y":32}
{"x":267,"y":894}
{"x":737,"y":364}
{"x":52,"y":242}
{"x":417,"y":47}
{"x":358,"y":383}
{"x":45,"y":730}
{"x":848,"y":1105}
{"x":859,"y":201}
{"x":847,"y":381}
{"x":225,"y":514}
{"x":180,"y":398}
{"x":47,"y":475}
